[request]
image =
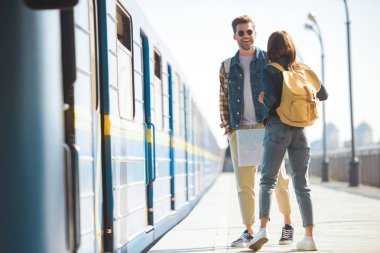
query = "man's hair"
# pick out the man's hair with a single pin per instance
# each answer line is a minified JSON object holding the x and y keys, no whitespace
{"x":242,"y":20}
{"x":281,"y":45}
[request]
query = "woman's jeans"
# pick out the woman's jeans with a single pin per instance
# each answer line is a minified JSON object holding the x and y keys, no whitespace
{"x":278,"y":138}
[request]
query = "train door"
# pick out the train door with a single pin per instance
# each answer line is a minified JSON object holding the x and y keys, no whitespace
{"x":178,"y":144}
{"x":171,"y":132}
{"x":82,"y":127}
{"x":149,"y":128}
{"x":196,"y":143}
{"x":190,"y":146}
{"x":156,"y":108}
{"x":159,"y":95}
{"x":187,"y":141}
{"x":32,"y":209}
{"x":127,"y":135}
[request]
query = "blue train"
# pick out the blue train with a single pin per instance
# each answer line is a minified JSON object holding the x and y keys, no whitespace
{"x":102,"y":147}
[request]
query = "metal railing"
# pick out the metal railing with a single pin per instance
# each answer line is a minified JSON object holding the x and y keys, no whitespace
{"x":369,"y":157}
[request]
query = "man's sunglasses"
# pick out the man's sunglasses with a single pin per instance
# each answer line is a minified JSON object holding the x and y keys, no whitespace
{"x":241,"y":33}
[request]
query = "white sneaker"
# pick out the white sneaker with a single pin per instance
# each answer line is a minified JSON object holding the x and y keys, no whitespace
{"x":259,"y":240}
{"x":307,"y":243}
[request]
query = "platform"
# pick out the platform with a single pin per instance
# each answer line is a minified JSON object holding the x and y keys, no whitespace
{"x":347,"y":220}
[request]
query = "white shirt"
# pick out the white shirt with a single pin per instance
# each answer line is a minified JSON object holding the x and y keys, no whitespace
{"x":249,"y":115}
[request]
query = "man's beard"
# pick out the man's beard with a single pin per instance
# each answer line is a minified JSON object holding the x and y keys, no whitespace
{"x":245,"y":45}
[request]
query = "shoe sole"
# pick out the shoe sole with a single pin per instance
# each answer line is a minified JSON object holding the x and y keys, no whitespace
{"x":285,"y":242}
{"x":307,"y":249}
{"x":259,"y":244}
{"x":245,"y":245}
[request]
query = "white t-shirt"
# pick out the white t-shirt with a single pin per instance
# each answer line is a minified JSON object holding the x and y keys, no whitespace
{"x":249,"y":115}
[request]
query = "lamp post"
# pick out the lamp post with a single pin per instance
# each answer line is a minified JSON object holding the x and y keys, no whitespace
{"x":354,"y":162}
{"x":317,"y":31}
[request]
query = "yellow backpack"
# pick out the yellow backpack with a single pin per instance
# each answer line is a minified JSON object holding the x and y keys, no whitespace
{"x":299,"y":102}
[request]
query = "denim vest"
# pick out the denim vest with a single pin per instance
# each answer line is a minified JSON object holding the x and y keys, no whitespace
{"x":236,"y":85}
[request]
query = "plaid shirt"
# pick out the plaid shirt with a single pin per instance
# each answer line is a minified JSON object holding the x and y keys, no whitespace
{"x":223,"y":101}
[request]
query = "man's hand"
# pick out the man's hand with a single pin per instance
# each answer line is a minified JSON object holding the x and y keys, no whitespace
{"x":227,"y":128}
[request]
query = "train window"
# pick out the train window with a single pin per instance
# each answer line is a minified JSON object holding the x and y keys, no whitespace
{"x":124,"y":34}
{"x":176,"y":104}
{"x":182,"y":108}
{"x":157,"y":65}
{"x":158,"y":109}
{"x":125,"y":65}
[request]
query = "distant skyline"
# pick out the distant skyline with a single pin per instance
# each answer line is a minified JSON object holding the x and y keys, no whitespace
{"x":199,"y":35}
{"x":363,"y":138}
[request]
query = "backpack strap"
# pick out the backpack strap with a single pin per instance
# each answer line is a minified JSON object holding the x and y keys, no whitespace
{"x":310,"y":95}
{"x":227,"y":65}
{"x":277,"y":66}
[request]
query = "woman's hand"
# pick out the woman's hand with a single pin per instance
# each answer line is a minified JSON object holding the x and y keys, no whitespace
{"x":261,"y":97}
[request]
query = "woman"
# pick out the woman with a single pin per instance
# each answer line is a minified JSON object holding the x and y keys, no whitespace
{"x":281,"y":137}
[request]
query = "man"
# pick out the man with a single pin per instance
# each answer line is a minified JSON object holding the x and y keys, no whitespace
{"x":240,"y":91}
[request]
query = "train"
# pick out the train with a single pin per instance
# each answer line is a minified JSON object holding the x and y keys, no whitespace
{"x":103,"y":147}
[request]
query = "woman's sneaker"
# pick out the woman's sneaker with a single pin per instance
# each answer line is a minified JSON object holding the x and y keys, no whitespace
{"x":259,"y":240}
{"x":307,"y":243}
{"x":286,"y":235}
{"x":243,"y":240}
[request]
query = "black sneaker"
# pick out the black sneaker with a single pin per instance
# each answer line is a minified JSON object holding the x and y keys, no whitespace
{"x":286,"y":235}
{"x":243,"y":240}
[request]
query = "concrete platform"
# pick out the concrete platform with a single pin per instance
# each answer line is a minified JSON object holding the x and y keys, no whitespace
{"x":347,"y":220}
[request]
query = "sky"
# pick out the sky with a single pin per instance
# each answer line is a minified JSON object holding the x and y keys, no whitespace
{"x":199,"y":35}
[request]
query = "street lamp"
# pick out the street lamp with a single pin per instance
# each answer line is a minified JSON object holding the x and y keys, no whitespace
{"x":354,"y":162}
{"x":317,"y":31}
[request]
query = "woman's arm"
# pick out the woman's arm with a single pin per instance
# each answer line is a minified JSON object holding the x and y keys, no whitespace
{"x":322,"y":93}
{"x":270,"y":90}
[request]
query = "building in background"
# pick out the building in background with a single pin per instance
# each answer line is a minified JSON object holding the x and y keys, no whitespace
{"x":332,"y":139}
{"x":364,"y":134}
{"x":332,"y":135}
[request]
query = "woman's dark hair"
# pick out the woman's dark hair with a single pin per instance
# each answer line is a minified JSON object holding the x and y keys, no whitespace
{"x":281,"y":45}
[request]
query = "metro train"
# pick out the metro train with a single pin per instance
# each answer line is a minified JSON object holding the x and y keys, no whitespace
{"x":102,"y":145}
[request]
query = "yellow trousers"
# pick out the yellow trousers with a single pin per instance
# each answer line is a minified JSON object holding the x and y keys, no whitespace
{"x":245,"y":183}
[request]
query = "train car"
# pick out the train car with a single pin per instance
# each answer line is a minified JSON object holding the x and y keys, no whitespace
{"x":102,"y":146}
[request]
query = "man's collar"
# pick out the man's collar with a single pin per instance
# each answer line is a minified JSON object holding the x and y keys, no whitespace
{"x":235,"y":59}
